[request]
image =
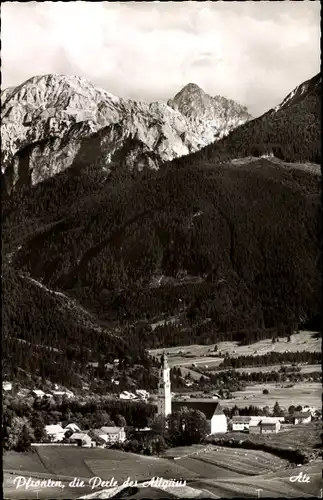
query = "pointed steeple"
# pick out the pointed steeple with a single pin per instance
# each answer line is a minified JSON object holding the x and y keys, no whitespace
{"x":164,"y":360}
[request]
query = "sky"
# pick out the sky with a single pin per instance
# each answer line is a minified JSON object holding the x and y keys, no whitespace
{"x":252,"y":52}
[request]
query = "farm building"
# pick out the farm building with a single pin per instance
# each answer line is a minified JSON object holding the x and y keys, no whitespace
{"x":55,"y":433}
{"x":254,"y":428}
{"x":302,"y":417}
{"x":244,"y":422}
{"x":6,"y":386}
{"x":268,"y":426}
{"x":82,"y":439}
{"x":114,"y":434}
{"x":240,"y":423}
{"x":264,"y":426}
{"x":211,"y":409}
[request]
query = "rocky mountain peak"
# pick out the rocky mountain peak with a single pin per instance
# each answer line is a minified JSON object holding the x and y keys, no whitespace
{"x":190,"y":88}
{"x":214,"y":116}
{"x":52,"y":121}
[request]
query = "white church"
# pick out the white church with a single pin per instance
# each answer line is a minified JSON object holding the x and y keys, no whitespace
{"x":211,"y":409}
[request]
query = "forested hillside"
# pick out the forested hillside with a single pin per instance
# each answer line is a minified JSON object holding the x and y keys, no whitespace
{"x":292,"y":133}
{"x":47,"y":336}
{"x":204,"y":243}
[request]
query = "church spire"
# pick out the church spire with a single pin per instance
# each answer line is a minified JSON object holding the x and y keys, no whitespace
{"x":164,"y":360}
{"x":164,"y":390}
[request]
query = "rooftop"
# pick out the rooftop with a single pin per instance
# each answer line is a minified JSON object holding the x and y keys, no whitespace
{"x":302,"y":414}
{"x":111,"y":430}
{"x":209,"y":408}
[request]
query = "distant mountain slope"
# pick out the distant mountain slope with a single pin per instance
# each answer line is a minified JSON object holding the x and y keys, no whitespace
{"x":291,"y":131}
{"x":51,"y":122}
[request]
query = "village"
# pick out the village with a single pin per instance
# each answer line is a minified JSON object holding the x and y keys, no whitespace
{"x":167,"y":403}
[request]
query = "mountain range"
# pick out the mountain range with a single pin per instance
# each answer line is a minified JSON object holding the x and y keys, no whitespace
{"x":118,"y":215}
{"x":54,"y":122}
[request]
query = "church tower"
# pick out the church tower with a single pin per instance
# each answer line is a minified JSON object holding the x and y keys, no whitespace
{"x":164,"y":394}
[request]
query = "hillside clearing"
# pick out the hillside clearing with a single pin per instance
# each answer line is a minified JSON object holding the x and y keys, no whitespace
{"x":201,"y":354}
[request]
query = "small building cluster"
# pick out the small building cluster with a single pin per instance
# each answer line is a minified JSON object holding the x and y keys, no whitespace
{"x":38,"y":393}
{"x":256,"y":424}
{"x":41,"y":394}
{"x":89,"y":438}
{"x":139,"y":394}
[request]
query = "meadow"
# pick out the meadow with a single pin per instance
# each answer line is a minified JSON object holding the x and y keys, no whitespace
{"x":217,"y":470}
{"x":302,"y":393}
{"x":204,"y":354}
{"x":305,"y":437}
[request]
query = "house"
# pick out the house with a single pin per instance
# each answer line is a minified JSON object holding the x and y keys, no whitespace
{"x":243,"y":422}
{"x":72,"y":427}
{"x":302,"y":417}
{"x":269,"y":425}
{"x":99,"y":437}
{"x":240,"y":422}
{"x":211,"y":409}
{"x":127,"y":395}
{"x":67,"y":393}
{"x":114,"y":434}
{"x":38,"y":393}
{"x":6,"y":386}
{"x":254,"y":427}
{"x":55,"y":433}
{"x":264,"y":425}
{"x":82,"y":439}
{"x":310,"y":409}
{"x":142,"y":394}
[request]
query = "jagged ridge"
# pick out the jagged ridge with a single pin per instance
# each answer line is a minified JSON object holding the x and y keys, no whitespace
{"x":46,"y":120}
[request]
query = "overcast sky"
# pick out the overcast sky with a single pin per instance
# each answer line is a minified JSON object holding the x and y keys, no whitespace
{"x":252,"y":52}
